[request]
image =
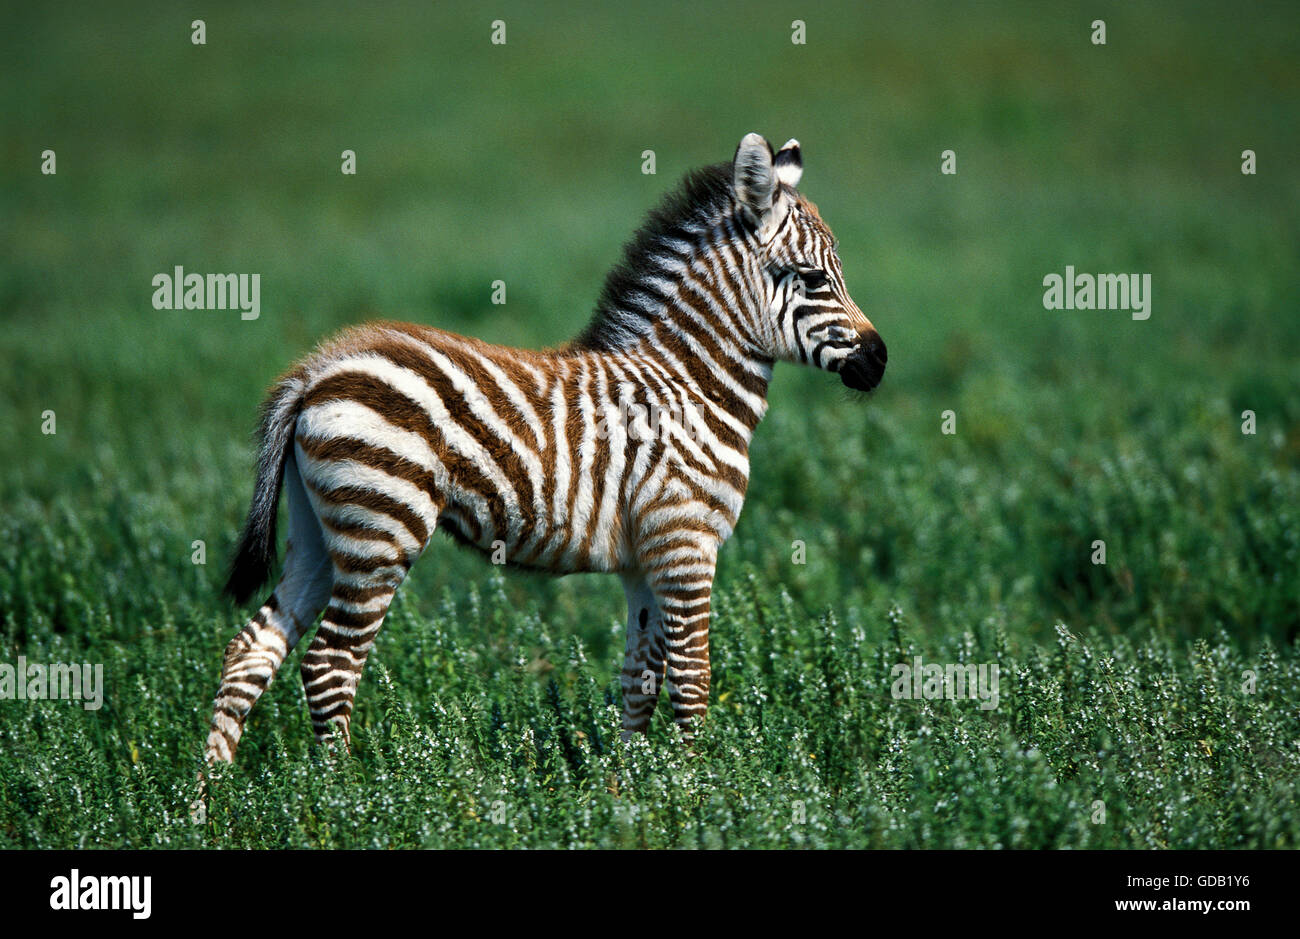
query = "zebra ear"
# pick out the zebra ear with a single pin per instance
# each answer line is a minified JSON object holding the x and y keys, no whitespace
{"x":789,"y":163}
{"x":754,"y":175}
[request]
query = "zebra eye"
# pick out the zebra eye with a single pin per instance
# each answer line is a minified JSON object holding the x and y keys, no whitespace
{"x":813,"y":280}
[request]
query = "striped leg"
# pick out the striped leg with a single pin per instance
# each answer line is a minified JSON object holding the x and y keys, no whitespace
{"x":682,"y":589}
{"x":332,"y":666}
{"x":644,"y":660}
{"x":254,"y":656}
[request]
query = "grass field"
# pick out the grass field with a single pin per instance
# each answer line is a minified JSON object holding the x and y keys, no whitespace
{"x":1150,"y":702}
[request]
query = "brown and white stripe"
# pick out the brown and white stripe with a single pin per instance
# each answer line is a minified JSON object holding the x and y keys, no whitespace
{"x":624,"y":451}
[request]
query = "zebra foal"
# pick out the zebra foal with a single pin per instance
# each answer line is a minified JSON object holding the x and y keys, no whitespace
{"x":548,"y":459}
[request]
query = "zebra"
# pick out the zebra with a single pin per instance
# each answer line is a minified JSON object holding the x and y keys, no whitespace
{"x":547,"y":459}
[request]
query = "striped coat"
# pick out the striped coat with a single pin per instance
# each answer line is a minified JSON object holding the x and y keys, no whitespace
{"x":624,"y":451}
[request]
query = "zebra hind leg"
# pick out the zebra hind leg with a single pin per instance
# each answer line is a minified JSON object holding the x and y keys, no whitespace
{"x":363,"y":589}
{"x":254,"y":656}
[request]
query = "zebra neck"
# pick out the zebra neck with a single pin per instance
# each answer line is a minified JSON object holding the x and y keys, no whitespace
{"x":731,"y":381}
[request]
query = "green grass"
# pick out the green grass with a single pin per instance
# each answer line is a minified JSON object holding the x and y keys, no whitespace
{"x":488,"y":713}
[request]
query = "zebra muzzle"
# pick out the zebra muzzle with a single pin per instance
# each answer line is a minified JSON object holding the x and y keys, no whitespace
{"x":863,"y":370}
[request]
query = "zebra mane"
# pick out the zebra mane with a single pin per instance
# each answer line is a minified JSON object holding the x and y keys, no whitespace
{"x":703,"y":195}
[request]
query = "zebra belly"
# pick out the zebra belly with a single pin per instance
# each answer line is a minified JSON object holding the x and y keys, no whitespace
{"x":535,"y":543}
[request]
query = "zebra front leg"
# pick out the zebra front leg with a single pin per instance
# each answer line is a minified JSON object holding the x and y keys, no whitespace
{"x":682,"y":591}
{"x":644,"y":660}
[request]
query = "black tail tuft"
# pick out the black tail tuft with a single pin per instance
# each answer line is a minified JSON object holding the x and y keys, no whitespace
{"x":255,"y":556}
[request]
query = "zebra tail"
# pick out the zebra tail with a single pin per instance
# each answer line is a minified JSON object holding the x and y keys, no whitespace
{"x":255,"y":557}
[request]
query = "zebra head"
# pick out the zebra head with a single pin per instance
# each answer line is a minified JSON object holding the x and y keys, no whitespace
{"x":807,"y":315}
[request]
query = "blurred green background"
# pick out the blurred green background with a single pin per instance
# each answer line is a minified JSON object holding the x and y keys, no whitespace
{"x":522,"y":162}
